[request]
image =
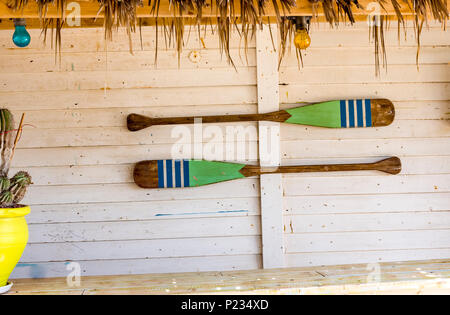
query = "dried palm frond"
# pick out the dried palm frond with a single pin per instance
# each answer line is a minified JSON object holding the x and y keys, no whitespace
{"x":397,"y":8}
{"x":17,"y":4}
{"x":41,"y":4}
{"x":439,"y":11}
{"x":314,"y":8}
{"x":224,"y":26}
{"x":178,"y":32}
{"x":344,"y":8}
{"x":335,"y":10}
{"x":286,"y":6}
{"x":419,"y":26}
{"x":330,"y":11}
{"x":376,"y":32}
{"x":250,"y":17}
{"x":248,"y":13}
{"x":287,"y":31}
{"x":175,"y":27}
{"x":119,"y":13}
{"x":55,"y":25}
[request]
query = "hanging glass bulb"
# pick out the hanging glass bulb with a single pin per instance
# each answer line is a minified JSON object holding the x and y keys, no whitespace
{"x":302,"y":39}
{"x":21,"y":37}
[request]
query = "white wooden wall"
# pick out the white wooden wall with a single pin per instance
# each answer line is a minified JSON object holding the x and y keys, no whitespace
{"x":86,"y":209}
{"x":360,"y":217}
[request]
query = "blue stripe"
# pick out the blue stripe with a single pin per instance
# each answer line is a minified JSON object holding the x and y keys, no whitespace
{"x":343,"y":115}
{"x":186,"y":173}
{"x":368,"y":113}
{"x":160,"y":173}
{"x":169,"y":173}
{"x":177,"y":174}
{"x":359,"y":111}
{"x":351,"y":113}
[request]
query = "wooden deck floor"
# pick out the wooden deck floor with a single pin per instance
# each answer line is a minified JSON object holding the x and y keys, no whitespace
{"x":417,"y":277}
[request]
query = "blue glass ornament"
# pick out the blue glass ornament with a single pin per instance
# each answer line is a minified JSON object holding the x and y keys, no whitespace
{"x":21,"y":37}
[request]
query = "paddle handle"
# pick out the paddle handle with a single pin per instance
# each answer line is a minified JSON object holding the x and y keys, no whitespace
{"x":390,"y":165}
{"x":137,"y":122}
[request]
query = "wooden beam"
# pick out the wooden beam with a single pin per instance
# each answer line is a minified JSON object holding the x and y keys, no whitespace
{"x":90,"y":9}
{"x":33,"y":23}
{"x":271,"y":185}
{"x":413,"y":277}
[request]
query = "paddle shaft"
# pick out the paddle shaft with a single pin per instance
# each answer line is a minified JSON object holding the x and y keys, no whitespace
{"x":138,"y":122}
{"x":390,"y":165}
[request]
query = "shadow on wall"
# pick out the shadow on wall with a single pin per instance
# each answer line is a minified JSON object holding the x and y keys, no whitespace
{"x":35,"y":270}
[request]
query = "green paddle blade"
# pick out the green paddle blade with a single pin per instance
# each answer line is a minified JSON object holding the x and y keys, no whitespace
{"x":344,"y":114}
{"x":187,"y":173}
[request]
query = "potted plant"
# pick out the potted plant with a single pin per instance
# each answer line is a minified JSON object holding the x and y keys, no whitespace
{"x":13,"y":227}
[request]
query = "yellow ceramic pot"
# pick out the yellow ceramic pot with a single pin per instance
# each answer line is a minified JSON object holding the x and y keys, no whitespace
{"x":13,"y":239}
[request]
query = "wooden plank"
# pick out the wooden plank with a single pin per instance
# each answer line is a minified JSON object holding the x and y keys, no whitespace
{"x":90,"y":10}
{"x":359,"y":56}
{"x":115,"y":117}
{"x":143,"y":210}
{"x":362,"y":257}
{"x":272,"y":221}
{"x":364,"y":74}
{"x":352,"y":38}
{"x":97,"y":155}
{"x":355,"y":222}
{"x":66,"y":194}
{"x":103,"y":155}
{"x":141,"y":266}
{"x":123,"y":61}
{"x":366,"y":147}
{"x":75,"y":41}
{"x":393,"y":91}
{"x":78,"y":175}
{"x":360,"y":185}
{"x":308,"y":275}
{"x":422,"y":110}
{"x":428,"y":266}
{"x":115,"y":135}
{"x":392,"y":271}
{"x":142,"y":249}
{"x":120,"y":61}
{"x":377,"y":203}
{"x":221,"y":95}
{"x":269,"y":149}
{"x":398,"y":129}
{"x":363,"y":241}
{"x":419,"y":276}
{"x":326,"y":40}
{"x":101,"y":136}
{"x":146,"y":79}
{"x":137,"y":230}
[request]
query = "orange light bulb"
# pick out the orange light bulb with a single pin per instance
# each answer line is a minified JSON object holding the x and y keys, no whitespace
{"x":302,"y":39}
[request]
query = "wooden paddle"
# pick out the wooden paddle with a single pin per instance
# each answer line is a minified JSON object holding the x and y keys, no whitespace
{"x":191,"y":173}
{"x":333,"y":114}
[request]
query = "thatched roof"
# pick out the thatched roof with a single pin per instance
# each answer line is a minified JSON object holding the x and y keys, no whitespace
{"x":244,"y":16}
